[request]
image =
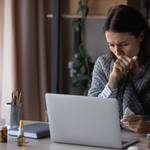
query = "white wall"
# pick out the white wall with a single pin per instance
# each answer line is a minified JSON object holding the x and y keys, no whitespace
{"x":95,"y":41}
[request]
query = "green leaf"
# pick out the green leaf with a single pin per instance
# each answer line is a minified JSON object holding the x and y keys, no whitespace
{"x":85,"y":77}
{"x":74,"y":80}
{"x":83,"y":69}
{"x":80,"y":49}
{"x":89,"y":58}
{"x":81,"y":25}
{"x":85,"y":93}
{"x":87,"y":11}
{"x":77,"y":84}
{"x":109,"y":10}
{"x":77,"y":29}
{"x":77,"y":64}
{"x":76,"y":25}
{"x":79,"y":9}
{"x":84,"y":10}
{"x":80,"y":3}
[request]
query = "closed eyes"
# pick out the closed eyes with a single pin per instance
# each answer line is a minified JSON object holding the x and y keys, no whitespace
{"x":111,"y":45}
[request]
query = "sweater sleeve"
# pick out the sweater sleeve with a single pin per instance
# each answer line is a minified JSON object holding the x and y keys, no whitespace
{"x":99,"y":77}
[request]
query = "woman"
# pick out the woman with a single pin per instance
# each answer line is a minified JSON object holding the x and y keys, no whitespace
{"x":124,"y":73}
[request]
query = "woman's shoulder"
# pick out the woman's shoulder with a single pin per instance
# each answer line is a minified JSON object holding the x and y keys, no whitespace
{"x":104,"y":63}
{"x":104,"y":60}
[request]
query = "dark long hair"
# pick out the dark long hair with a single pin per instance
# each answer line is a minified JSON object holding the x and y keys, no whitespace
{"x":123,"y":18}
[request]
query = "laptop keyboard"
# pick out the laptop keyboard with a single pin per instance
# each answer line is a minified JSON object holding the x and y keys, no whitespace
{"x":124,"y":142}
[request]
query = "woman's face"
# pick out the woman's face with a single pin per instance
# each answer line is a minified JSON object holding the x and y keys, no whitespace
{"x":123,"y":44}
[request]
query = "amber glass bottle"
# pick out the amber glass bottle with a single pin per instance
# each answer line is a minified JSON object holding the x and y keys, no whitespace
{"x":3,"y":134}
{"x":21,"y":138}
{"x":148,"y":140}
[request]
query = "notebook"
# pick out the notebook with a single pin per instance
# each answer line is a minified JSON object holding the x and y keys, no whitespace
{"x":36,"y":130}
{"x":85,"y":120}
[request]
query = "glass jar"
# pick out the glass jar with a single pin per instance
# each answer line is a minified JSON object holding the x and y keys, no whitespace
{"x":148,"y":140}
{"x":3,"y":134}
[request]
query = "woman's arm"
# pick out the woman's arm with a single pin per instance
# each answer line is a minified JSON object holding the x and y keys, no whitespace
{"x":99,"y":79}
{"x":99,"y":76}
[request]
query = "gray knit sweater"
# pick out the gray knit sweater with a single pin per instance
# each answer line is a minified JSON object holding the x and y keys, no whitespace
{"x":133,"y":93}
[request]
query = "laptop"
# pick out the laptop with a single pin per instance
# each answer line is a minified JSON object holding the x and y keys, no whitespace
{"x":85,"y":121}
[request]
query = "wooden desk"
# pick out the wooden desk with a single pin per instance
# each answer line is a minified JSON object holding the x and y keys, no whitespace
{"x":46,"y":144}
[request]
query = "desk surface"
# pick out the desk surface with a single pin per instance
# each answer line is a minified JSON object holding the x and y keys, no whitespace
{"x":46,"y":144}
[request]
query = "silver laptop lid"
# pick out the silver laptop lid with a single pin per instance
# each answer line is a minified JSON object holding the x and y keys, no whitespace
{"x":84,"y":120}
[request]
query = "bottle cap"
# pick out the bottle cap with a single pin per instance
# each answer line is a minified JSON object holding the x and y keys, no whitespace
{"x":21,"y":124}
{"x":21,"y":130}
{"x":3,"y":127}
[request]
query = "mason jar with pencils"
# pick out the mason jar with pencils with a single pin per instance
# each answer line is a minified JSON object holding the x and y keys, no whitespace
{"x":13,"y":111}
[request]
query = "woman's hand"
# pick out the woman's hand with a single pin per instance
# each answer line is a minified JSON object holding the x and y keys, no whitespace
{"x":121,"y":66}
{"x":137,"y":124}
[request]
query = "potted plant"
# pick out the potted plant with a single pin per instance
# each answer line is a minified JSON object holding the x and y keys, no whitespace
{"x":81,"y":66}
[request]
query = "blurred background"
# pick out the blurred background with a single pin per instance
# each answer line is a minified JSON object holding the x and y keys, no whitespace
{"x":50,"y":46}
